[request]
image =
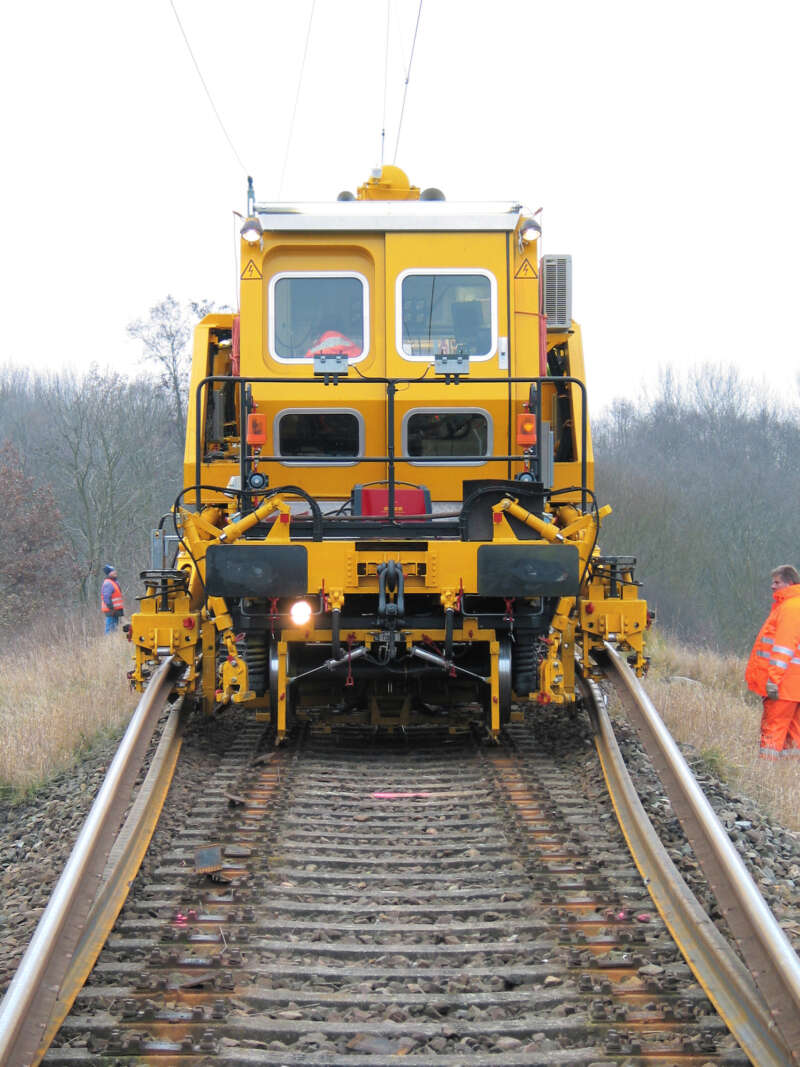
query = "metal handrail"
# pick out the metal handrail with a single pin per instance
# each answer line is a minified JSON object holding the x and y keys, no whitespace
{"x":390,"y":384}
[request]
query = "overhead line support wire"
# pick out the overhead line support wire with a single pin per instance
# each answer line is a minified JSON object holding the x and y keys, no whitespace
{"x":408,"y":76}
{"x":296,"y":98}
{"x":203,"y":83}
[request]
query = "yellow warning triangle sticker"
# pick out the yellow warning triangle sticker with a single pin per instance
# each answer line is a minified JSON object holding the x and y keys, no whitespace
{"x":526,"y":271}
{"x":251,"y":272}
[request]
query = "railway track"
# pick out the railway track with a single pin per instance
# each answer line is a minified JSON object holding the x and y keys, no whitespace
{"x":344,"y":898}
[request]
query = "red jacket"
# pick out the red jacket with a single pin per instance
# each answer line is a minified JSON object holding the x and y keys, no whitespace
{"x":334,"y":343}
{"x":111,"y":597}
{"x":776,"y":653}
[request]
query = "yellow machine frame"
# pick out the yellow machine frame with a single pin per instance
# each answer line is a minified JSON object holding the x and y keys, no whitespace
{"x":236,"y":371}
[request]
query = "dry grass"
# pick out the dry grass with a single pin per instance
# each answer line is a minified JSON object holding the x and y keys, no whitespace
{"x":702,"y":698}
{"x":62,"y":688}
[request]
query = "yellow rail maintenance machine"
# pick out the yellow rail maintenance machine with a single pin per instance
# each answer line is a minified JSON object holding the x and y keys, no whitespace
{"x":388,"y":515}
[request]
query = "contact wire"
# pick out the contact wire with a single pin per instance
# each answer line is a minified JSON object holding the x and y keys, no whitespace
{"x":296,"y":99}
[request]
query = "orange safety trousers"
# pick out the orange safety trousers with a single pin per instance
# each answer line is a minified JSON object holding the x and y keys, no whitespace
{"x":780,"y":729}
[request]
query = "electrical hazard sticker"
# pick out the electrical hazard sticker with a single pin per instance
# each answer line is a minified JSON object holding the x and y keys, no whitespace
{"x":251,"y":272}
{"x":526,"y":272}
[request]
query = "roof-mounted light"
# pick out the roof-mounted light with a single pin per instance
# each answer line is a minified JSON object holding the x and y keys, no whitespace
{"x":529,"y":230}
{"x":252,"y":230}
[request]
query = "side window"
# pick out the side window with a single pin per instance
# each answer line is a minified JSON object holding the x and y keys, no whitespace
{"x":311,"y":314}
{"x":319,"y":436}
{"x":446,"y":312}
{"x":439,"y":435}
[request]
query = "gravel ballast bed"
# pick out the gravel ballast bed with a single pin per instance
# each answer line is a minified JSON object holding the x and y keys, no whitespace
{"x":37,"y":835}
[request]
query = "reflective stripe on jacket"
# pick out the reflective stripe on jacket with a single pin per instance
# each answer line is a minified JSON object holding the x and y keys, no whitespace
{"x":776,"y":652}
{"x":110,"y":597}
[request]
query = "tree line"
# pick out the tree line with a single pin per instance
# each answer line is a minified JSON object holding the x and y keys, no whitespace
{"x":89,"y":463}
{"x":705,"y":485}
{"x":703,"y":478}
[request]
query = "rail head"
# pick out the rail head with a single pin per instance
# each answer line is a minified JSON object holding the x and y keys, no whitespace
{"x":772,"y":962}
{"x":31,"y":997}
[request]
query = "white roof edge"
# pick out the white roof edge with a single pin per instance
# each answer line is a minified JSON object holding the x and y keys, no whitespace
{"x":389,"y":215}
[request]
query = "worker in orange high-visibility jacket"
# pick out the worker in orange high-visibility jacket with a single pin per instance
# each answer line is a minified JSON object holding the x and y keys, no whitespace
{"x":111,"y":598}
{"x":773,"y":670}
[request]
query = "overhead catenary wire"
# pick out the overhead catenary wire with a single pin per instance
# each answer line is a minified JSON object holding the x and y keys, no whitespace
{"x":296,"y":99}
{"x":405,"y":87}
{"x":205,"y":87}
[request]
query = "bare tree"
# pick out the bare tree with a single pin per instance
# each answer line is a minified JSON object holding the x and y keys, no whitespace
{"x":114,"y":465}
{"x":165,"y":336}
{"x":31,"y":538}
{"x":704,"y":483}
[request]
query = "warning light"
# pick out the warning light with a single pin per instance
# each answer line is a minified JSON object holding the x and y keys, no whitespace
{"x":526,"y":429}
{"x":188,"y":623}
{"x":589,"y":608}
{"x":256,"y":428}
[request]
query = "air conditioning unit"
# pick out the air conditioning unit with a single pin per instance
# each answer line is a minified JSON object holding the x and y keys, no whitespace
{"x":556,"y":274}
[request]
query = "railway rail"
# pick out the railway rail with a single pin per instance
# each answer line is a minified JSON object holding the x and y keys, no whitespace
{"x":343,"y":898}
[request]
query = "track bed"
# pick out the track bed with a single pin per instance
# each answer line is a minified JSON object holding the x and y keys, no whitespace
{"x":427,"y":898}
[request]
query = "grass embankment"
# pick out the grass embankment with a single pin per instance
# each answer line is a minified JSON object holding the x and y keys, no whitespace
{"x":62,"y":689}
{"x":702,"y":698}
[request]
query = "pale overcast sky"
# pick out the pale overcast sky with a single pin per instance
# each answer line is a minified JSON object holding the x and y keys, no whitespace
{"x":660,"y":139}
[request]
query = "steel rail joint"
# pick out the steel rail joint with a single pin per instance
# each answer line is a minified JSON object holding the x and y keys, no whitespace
{"x":26,"y":1007}
{"x":770,"y":957}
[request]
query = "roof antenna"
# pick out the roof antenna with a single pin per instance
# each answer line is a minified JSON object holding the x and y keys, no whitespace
{"x":385,"y":76}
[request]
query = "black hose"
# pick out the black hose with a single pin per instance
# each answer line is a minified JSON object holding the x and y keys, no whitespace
{"x":316,"y":510}
{"x":596,"y":510}
{"x":187,"y":550}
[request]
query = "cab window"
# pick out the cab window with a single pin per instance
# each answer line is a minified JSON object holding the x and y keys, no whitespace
{"x":432,"y":435}
{"x":318,"y":314}
{"x":319,"y":435}
{"x":446,"y":312}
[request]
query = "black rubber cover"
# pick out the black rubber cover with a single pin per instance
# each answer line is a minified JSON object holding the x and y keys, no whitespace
{"x":257,"y":570}
{"x":528,"y":570}
{"x":479,"y":496}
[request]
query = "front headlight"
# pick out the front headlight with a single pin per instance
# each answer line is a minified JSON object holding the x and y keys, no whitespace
{"x":300,"y":612}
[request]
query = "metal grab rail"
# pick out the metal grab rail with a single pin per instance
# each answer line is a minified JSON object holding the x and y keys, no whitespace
{"x":30,"y":999}
{"x":391,"y":459}
{"x":773,"y":963}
